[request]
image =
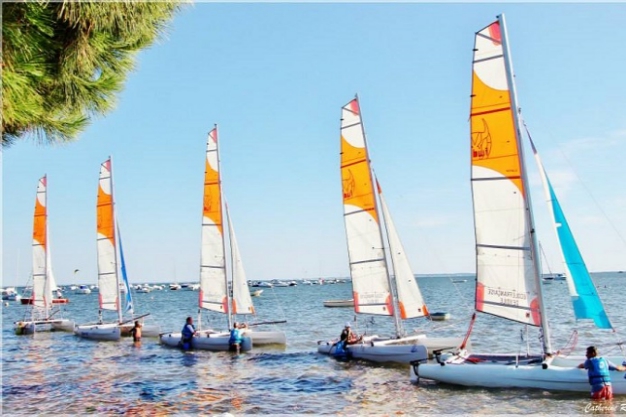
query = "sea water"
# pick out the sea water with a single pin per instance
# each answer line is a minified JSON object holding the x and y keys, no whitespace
{"x":59,"y":373}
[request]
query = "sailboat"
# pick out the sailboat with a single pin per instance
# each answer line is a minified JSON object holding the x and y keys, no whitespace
{"x":42,"y":312}
{"x":375,"y":290}
{"x":108,"y":275}
{"x":219,"y":292}
{"x":508,"y":283}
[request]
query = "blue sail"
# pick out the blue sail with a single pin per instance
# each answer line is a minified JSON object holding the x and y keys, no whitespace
{"x":587,"y":303}
{"x":129,"y":297}
{"x":585,"y":299}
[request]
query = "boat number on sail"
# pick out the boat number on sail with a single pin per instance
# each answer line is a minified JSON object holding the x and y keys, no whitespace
{"x":507,"y":297}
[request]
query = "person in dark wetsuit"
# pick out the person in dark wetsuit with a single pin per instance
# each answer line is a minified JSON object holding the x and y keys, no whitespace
{"x":598,"y":371}
{"x":189,"y":330}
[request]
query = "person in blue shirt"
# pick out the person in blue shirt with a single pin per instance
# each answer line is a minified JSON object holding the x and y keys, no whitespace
{"x":187,"y":334}
{"x":236,"y":337}
{"x":598,"y":371}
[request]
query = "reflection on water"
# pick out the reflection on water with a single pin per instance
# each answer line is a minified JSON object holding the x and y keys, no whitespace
{"x":57,"y":373}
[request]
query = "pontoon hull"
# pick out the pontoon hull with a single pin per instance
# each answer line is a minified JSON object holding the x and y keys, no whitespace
{"x":490,"y":375}
{"x":376,"y":349}
{"x":31,"y":327}
{"x":212,"y":341}
{"x":266,"y":337}
{"x":109,"y":332}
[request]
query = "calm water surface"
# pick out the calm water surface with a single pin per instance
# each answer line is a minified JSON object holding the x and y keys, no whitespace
{"x":58,"y":373}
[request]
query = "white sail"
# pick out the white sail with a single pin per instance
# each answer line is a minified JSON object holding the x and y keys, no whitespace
{"x":368,"y":268}
{"x":213,"y":285}
{"x":241,"y":302}
{"x":506,"y":282}
{"x":42,"y":296}
{"x":410,"y":301}
{"x":108,"y":280}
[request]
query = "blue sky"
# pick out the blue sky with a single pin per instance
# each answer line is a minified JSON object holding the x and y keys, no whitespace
{"x":274,"y":77}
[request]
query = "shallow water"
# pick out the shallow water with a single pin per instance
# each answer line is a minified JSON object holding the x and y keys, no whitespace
{"x":58,"y":373}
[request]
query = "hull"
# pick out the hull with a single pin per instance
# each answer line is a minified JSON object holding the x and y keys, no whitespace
{"x":403,"y":350}
{"x":27,"y":301}
{"x":110,"y":331}
{"x":339,"y":303}
{"x":31,"y":327}
{"x":376,"y":349}
{"x":212,"y":341}
{"x":266,"y":338}
{"x":498,"y":375}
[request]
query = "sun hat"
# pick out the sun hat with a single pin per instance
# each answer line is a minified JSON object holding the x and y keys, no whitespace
{"x":348,"y":324}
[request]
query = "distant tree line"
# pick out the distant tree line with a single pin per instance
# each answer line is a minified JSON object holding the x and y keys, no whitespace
{"x":65,"y":62}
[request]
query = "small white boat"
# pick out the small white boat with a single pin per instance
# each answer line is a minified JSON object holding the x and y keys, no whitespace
{"x":339,"y":303}
{"x":509,"y":281}
{"x":109,"y":247}
{"x":83,"y":289}
{"x":256,"y":293}
{"x":369,"y":229}
{"x":41,"y":297}
{"x":223,"y":285}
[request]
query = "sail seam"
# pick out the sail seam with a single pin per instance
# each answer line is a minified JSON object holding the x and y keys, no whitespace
{"x":476,"y":61}
{"x":366,"y":261}
{"x":523,"y":248}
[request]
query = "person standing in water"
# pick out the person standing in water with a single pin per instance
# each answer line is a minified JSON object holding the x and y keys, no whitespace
{"x":135,"y":332}
{"x":599,"y":377}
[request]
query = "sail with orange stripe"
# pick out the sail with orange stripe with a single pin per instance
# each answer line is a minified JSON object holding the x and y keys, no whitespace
{"x":42,"y":290}
{"x":368,"y":267}
{"x":108,"y":279}
{"x":213,"y":281}
{"x":507,"y":283}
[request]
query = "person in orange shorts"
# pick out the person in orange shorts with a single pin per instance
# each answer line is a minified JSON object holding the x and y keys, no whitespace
{"x":599,"y":377}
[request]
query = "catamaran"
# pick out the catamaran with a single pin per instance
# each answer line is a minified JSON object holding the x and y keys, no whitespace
{"x":42,"y":310}
{"x":219,"y":292}
{"x":508,"y":281}
{"x":108,"y":274}
{"x":375,"y":290}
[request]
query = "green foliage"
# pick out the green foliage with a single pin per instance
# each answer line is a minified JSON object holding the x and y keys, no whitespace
{"x":63,"y":63}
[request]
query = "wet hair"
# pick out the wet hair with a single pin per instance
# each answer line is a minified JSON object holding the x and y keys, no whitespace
{"x":592,"y":351}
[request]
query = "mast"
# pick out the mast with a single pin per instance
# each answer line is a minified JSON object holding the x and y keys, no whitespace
{"x":547,"y":348}
{"x":229,"y":306}
{"x":392,"y":290}
{"x":46,"y":285}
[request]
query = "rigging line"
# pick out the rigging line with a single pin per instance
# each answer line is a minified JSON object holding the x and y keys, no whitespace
{"x":584,"y":186}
